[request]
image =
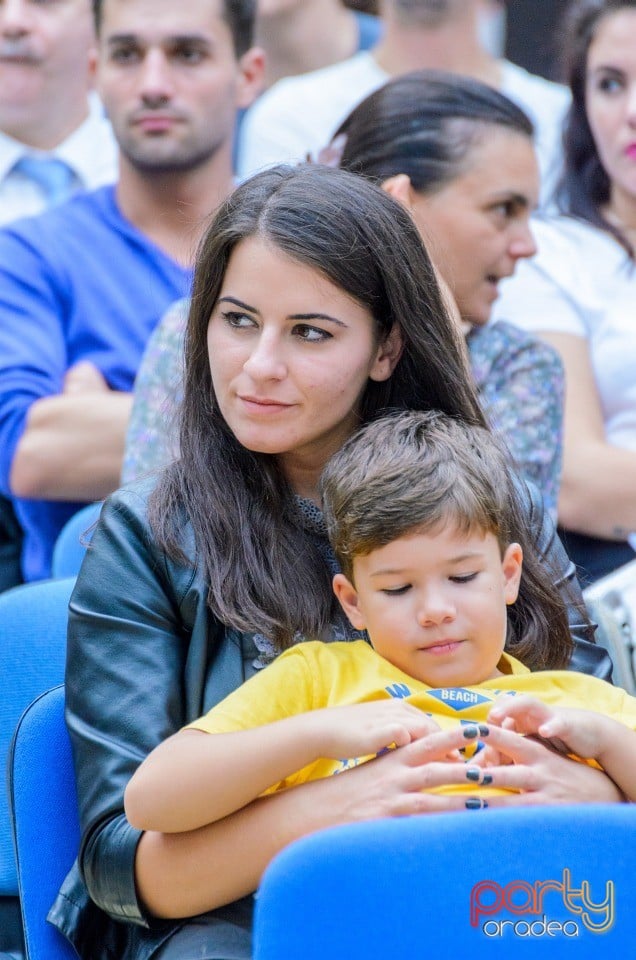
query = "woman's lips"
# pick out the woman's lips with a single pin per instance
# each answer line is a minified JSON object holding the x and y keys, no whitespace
{"x":630,"y":151}
{"x":264,"y":404}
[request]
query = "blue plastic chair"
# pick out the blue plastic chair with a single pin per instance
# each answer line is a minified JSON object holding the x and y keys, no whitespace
{"x":494,"y":884}
{"x":45,"y":819}
{"x":72,"y":541}
{"x":33,"y":620}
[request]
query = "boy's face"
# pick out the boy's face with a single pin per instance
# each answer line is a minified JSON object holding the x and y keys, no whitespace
{"x":434,"y":604}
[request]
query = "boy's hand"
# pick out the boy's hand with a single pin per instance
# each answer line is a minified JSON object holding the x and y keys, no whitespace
{"x":567,"y":730}
{"x":362,"y":729}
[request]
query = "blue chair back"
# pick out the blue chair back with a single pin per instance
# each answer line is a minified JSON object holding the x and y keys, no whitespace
{"x":33,"y":620}
{"x":72,"y":541}
{"x":45,"y":819}
{"x":530,"y":881}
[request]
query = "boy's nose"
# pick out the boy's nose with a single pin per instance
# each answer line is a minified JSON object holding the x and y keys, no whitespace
{"x":435,"y":609}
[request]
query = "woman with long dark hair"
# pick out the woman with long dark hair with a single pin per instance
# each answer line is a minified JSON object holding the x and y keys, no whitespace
{"x":580,"y":290}
{"x":315,"y":308}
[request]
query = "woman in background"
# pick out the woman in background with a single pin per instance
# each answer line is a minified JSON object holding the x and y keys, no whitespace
{"x":459,"y":156}
{"x":579,"y":292}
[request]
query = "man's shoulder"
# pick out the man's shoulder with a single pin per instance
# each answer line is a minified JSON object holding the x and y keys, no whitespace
{"x":89,"y":212}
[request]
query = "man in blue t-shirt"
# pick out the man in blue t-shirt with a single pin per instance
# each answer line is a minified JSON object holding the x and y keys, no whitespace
{"x":82,"y":286}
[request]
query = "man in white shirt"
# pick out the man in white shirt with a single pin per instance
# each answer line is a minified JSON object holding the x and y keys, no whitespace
{"x":47,"y":111}
{"x":298,"y":115}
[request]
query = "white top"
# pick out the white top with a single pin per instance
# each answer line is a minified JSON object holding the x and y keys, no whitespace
{"x":91,"y":152}
{"x":581,"y":282}
{"x":299,"y":115}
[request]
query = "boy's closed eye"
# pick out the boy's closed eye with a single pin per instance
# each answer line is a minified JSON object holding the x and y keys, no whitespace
{"x":397,"y":591}
{"x":463,"y":577}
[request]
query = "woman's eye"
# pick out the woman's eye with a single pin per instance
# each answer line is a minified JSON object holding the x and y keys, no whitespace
{"x":397,"y":591}
{"x":238,"y":320}
{"x":311,"y":334}
{"x":505,"y":210}
{"x":609,"y":84}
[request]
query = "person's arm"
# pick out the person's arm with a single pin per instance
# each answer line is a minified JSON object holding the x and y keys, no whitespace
{"x":599,"y":479}
{"x":176,"y":788}
{"x":72,"y":446}
{"x":557,"y":296}
{"x":188,"y":873}
{"x":61,"y":437}
{"x":590,"y":735}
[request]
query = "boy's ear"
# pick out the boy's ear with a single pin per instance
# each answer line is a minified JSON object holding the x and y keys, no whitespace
{"x":348,"y":598}
{"x":511,"y":568}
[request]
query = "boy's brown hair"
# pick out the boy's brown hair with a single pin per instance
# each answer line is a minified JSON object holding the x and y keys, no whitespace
{"x":417,"y":471}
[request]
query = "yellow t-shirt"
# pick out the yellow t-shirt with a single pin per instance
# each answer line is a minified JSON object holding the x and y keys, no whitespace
{"x":313,"y":675}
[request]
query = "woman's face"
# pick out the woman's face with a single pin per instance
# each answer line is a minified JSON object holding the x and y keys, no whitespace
{"x":477,"y":226}
{"x":290,"y":356}
{"x":611,"y":104}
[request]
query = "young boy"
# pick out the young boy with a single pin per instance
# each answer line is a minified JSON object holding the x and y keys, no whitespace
{"x":423,"y":514}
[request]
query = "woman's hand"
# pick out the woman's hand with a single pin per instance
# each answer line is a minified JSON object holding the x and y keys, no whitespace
{"x":529,"y":770}
{"x":541,"y":776}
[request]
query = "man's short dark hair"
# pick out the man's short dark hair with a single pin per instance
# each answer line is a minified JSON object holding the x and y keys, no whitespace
{"x":238,"y":14}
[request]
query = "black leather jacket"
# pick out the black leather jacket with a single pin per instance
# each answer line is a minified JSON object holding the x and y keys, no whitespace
{"x":146,"y":657}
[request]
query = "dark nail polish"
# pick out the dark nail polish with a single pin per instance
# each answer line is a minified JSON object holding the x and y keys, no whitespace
{"x":471,"y":732}
{"x":487,"y":779}
{"x":484,"y":730}
{"x":474,"y":774}
{"x":476,"y":803}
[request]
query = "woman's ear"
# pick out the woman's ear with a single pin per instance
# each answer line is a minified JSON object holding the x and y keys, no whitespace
{"x":511,"y":565}
{"x":388,"y":355}
{"x":399,"y":187}
{"x":348,"y":598}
